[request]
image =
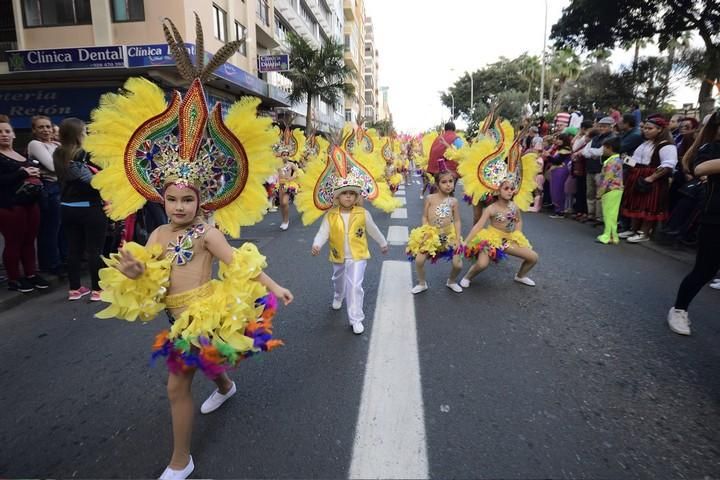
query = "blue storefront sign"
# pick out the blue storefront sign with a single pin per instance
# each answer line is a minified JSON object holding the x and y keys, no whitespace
{"x":56,"y":103}
{"x":273,"y":63}
{"x":244,"y":79}
{"x":66,"y":58}
{"x":153,"y":55}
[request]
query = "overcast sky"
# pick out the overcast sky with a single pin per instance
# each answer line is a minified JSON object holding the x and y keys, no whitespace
{"x":425,"y":45}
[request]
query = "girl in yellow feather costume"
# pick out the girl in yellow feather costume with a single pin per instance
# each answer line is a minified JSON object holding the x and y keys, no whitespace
{"x":511,"y":180}
{"x":194,"y":162}
{"x":438,"y":236}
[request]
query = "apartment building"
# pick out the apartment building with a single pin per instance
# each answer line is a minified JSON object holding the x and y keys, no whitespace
{"x":354,"y":37}
{"x":384,"y":108}
{"x":372,"y":67}
{"x":57,"y":57}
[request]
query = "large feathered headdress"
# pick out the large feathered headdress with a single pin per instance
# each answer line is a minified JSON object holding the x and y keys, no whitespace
{"x":145,"y":143}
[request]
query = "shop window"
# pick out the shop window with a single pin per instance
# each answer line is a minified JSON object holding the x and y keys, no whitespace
{"x":128,"y":10}
{"x":219,"y":23}
{"x":241,"y":32}
{"x":53,"y":13}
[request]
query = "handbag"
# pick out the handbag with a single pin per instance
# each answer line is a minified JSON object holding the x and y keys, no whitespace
{"x":29,"y":191}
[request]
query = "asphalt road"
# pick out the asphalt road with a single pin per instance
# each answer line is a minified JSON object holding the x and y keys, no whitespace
{"x":578,"y":377}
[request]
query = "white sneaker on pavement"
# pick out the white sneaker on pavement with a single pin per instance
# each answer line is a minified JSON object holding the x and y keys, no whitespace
{"x":358,"y":328}
{"x":454,"y":287}
{"x":715,"y":284}
{"x":639,"y":237}
{"x":626,"y":234}
{"x":336,"y":304}
{"x":464,"y":283}
{"x":284,"y":226}
{"x":524,"y":281}
{"x":216,"y":399}
{"x":170,"y":474}
{"x":419,"y":288}
{"x":678,"y":321}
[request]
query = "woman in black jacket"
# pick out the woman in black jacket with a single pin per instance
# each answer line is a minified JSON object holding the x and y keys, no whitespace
{"x":703,"y":160}
{"x":83,"y":218}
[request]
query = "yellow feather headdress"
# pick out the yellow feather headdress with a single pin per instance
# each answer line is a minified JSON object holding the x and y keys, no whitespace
{"x":145,"y":143}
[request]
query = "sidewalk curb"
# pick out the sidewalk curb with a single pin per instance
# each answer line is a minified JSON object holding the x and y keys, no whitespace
{"x":683,"y":256}
{"x":10,"y":299}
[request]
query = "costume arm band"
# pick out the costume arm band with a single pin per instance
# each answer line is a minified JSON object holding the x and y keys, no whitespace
{"x":142,"y":297}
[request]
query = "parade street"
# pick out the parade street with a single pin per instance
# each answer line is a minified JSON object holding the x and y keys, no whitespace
{"x":578,"y":377}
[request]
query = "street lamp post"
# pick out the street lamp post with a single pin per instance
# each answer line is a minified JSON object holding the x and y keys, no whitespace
{"x":452,"y":111}
{"x":542,"y":70}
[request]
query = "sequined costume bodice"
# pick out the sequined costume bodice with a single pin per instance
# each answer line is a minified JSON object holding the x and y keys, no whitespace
{"x":443,"y":213}
{"x":191,"y":260}
{"x":506,"y":220}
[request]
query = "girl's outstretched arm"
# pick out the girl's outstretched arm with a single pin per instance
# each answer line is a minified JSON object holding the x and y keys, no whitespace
{"x":457,"y":220}
{"x":129,"y":265}
{"x":426,"y":209}
{"x":480,"y":223}
{"x":218,"y":245}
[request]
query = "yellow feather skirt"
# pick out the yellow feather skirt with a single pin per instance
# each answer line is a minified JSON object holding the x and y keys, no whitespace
{"x":435,"y":242}
{"x":493,"y":242}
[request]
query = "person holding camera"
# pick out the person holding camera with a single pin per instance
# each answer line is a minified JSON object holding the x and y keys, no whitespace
{"x":20,"y":189}
{"x":647,"y":187}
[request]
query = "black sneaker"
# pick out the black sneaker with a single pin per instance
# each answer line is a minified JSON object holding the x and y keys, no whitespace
{"x":38,"y":282}
{"x":21,"y":285}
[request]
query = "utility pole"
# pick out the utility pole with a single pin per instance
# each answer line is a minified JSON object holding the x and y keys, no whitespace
{"x":542,"y":59}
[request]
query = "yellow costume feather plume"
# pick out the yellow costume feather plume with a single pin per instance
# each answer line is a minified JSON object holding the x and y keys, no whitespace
{"x":256,"y":135}
{"x":472,"y":158}
{"x":112,"y":125}
{"x":305,"y":200}
{"x":529,"y":170}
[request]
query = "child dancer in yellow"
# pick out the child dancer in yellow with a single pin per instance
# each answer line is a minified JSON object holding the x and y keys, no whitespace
{"x":347,"y":226}
{"x":194,"y":161}
{"x":501,"y":238}
{"x":438,"y":236}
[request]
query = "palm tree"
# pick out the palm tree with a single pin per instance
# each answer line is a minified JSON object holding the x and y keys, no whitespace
{"x":317,"y":72}
{"x":564,"y":66}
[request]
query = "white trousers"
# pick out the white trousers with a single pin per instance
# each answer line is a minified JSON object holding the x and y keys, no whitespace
{"x":347,"y":284}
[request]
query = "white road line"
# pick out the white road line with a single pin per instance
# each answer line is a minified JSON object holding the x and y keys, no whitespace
{"x":397,"y":235}
{"x":399,"y":213}
{"x":390,"y":440}
{"x":401,"y":187}
{"x":400,"y":193}
{"x":402,"y":201}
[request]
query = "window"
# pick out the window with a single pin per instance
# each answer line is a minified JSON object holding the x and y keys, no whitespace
{"x":128,"y":10}
{"x":241,"y":32}
{"x":281,"y":31}
{"x":219,"y":23}
{"x":52,"y":13}
{"x":263,"y":12}
{"x":348,"y":115}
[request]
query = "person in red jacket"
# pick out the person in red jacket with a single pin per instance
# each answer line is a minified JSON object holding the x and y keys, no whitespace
{"x":436,"y":159}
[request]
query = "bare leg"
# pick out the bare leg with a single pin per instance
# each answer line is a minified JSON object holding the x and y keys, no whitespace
{"x":456,"y":268}
{"x":223,"y":383}
{"x":182,"y":411}
{"x":481,"y":264}
{"x":285,"y":206}
{"x":420,"y":268}
{"x":530,"y":258}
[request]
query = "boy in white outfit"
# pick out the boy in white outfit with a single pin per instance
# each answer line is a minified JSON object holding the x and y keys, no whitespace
{"x":346,"y":226}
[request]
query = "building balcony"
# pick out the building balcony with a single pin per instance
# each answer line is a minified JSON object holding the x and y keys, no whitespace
{"x":351,"y":61}
{"x":296,"y":21}
{"x":317,"y":10}
{"x":349,"y":10}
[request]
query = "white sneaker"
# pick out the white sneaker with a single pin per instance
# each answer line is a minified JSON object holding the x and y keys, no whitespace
{"x":272,"y":209}
{"x":626,"y":234}
{"x":419,"y":288}
{"x":525,"y":281}
{"x":170,"y":474}
{"x":216,"y":399}
{"x":358,"y":328}
{"x":464,"y":283}
{"x":336,"y":304}
{"x":639,"y":237}
{"x":678,"y":321}
{"x":715,"y":286}
{"x":284,"y":226}
{"x":454,"y":287}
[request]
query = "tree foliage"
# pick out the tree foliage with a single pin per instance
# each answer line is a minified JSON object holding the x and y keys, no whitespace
{"x":318,"y":72}
{"x":591,"y":24}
